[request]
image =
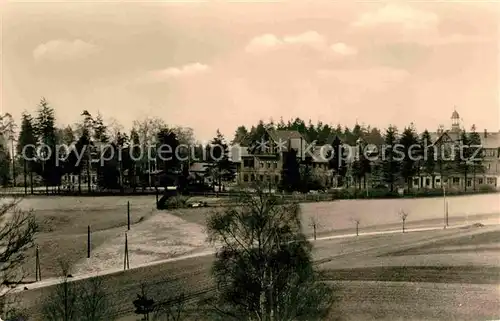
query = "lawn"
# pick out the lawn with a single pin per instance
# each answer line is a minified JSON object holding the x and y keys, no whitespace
{"x":156,"y":235}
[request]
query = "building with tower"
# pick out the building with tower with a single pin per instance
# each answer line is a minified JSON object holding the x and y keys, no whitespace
{"x":446,"y":174}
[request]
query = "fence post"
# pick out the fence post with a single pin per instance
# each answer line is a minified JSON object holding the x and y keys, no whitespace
{"x":88,"y":241}
{"x":128,"y":215}
{"x":38,"y":271}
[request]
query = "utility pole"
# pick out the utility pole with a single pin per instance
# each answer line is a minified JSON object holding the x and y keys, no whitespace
{"x":126,"y":262}
{"x":445,"y":208}
{"x":88,"y":242}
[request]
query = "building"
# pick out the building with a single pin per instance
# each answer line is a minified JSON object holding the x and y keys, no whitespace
{"x":262,"y":161}
{"x":444,"y":141}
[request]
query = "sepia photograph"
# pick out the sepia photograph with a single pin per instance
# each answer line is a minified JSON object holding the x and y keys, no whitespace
{"x":287,"y":160}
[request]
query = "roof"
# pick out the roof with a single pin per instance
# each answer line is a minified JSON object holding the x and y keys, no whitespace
{"x":488,"y":140}
{"x":284,"y":135}
{"x":455,"y":115}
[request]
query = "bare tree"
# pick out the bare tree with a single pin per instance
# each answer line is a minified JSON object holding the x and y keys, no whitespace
{"x":403,"y":215}
{"x":356,"y":221}
{"x":17,"y":232}
{"x":315,"y":225}
{"x":172,"y":309}
{"x":62,"y":304}
{"x":93,"y":302}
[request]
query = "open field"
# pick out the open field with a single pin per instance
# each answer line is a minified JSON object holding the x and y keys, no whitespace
{"x":157,"y":235}
{"x":370,"y":284}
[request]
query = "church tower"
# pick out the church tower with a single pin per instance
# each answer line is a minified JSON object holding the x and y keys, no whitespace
{"x":455,"y":121}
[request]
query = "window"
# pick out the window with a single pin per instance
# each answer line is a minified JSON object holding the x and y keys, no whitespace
{"x":438,"y":180}
{"x":277,"y":179}
{"x":415,"y":181}
{"x":261,"y":164}
{"x":248,"y":163}
{"x":427,"y":182}
{"x":480,"y":181}
{"x":245,"y":177}
{"x":268,"y":178}
{"x":261,"y":178}
{"x":252,"y":178}
{"x":469,"y":182}
{"x":456,"y":180}
{"x":491,"y":180}
{"x":268,"y":164}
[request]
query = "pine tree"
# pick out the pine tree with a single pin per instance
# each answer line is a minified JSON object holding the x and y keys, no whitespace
{"x":241,"y":136}
{"x":428,"y":156}
{"x":338,"y":160}
{"x":462,"y":157}
{"x":221,"y":167}
{"x":290,"y":174}
{"x":409,"y":165}
{"x":476,"y":154}
{"x":390,"y":164}
{"x":47,"y":135}
{"x":26,"y":147}
{"x":167,"y":144}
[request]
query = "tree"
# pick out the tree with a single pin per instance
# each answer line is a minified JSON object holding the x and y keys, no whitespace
{"x":8,"y":132}
{"x":390,"y":164}
{"x":240,"y":136}
{"x":47,"y":135}
{"x":408,"y":141}
{"x":168,"y":162}
{"x":17,"y":233}
{"x":463,"y":156}
{"x":93,"y":303}
{"x":220,"y":165}
{"x":134,"y":170}
{"x":5,"y":161}
{"x":26,"y":147}
{"x":428,"y":153}
{"x":338,"y":160}
{"x":263,"y":269}
{"x":290,"y":174}
{"x":476,"y":154}
{"x":144,"y":305}
{"x":403,"y":215}
{"x":356,"y":221}
{"x":72,"y":301}
{"x":62,"y":304}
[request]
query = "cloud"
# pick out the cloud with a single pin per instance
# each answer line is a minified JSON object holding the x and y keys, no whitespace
{"x":310,"y":39}
{"x":398,"y":14}
{"x":268,"y":42}
{"x":58,"y":50}
{"x":263,"y":43}
{"x":342,"y":49}
{"x":175,"y":72}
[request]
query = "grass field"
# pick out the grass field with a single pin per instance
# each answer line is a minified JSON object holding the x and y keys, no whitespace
{"x":157,"y":235}
{"x":375,"y":277}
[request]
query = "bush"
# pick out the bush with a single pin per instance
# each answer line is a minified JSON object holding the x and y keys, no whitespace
{"x":178,"y":201}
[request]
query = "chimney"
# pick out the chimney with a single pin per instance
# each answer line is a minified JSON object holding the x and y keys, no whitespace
{"x":485,"y":133}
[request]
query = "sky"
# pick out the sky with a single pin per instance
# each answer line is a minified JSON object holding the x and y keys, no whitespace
{"x":217,"y":65}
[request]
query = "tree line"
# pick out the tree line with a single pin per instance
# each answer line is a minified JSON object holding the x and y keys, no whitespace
{"x":139,"y":157}
{"x":91,"y":140}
